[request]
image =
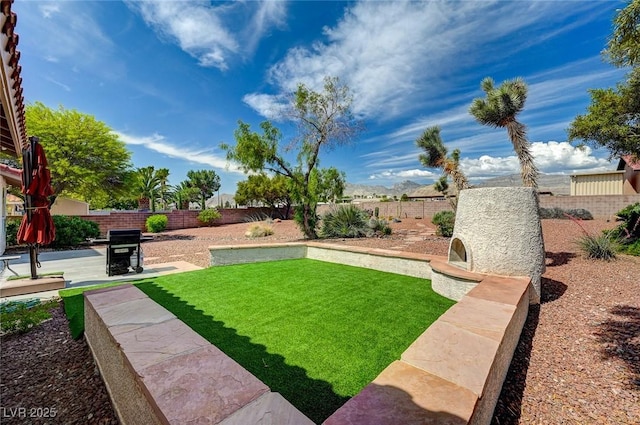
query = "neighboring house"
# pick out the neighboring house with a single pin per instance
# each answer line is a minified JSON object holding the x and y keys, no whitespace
{"x":15,"y":205}
{"x":13,"y":177}
{"x":625,"y":180}
{"x":13,"y":134}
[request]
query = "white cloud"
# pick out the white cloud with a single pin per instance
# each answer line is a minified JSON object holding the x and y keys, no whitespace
{"x":403,"y":174}
{"x":49,"y":9}
{"x":204,"y":31}
{"x":59,"y":84}
{"x":69,"y":33}
{"x":398,"y":55}
{"x":158,"y":143}
{"x":270,"y":107}
{"x":550,"y":157}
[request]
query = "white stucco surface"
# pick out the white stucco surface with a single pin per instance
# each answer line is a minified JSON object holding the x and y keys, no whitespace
{"x":501,"y":232}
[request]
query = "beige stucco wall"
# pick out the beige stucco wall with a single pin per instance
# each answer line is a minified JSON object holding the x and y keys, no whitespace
{"x":609,"y":183}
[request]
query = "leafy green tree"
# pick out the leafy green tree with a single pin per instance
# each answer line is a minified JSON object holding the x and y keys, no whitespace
{"x":206,"y":181}
{"x":86,"y":159}
{"x":623,"y":48}
{"x":330,"y":184}
{"x":183,"y":194}
{"x":612,"y":120}
{"x":404,"y":197}
{"x":270,"y":191}
{"x":499,"y":110}
{"x":324,"y":121}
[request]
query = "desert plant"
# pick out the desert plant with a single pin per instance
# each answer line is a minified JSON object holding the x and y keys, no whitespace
{"x":22,"y":316}
{"x":376,"y":212}
{"x":378,"y":227}
{"x":73,"y":231}
{"x":628,"y":232}
{"x":600,"y":247}
{"x":579,"y":213}
{"x":157,"y":223}
{"x":209,"y":216}
{"x":256,"y":217}
{"x":258,"y":231}
{"x":444,"y":221}
{"x":499,"y":109}
{"x":345,"y":221}
{"x":559,"y":213}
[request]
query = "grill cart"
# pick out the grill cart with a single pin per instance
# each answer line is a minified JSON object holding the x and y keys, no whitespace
{"x":123,"y":251}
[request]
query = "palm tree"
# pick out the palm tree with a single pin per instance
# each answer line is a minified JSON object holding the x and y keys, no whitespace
{"x":147,"y":187}
{"x":498,"y":110}
{"x":435,"y":156}
{"x":162,"y":174}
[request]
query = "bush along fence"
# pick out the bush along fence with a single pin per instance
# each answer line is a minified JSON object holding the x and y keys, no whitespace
{"x":176,"y":219}
{"x":603,"y":207}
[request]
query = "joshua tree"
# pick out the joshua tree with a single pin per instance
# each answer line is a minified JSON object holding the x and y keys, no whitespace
{"x":435,"y":156}
{"x":499,"y":109}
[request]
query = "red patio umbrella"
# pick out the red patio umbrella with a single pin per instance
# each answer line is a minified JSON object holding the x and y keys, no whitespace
{"x":37,"y":227}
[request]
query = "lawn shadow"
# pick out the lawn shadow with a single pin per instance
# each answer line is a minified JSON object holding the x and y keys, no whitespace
{"x":620,"y":339}
{"x":313,"y":397}
{"x":551,"y":290}
{"x":509,"y":406}
{"x":559,"y":258}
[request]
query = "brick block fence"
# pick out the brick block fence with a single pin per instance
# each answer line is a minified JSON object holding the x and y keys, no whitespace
{"x":603,"y":206}
{"x":177,"y":219}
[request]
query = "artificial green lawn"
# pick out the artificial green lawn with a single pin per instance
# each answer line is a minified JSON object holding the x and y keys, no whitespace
{"x":315,"y":332}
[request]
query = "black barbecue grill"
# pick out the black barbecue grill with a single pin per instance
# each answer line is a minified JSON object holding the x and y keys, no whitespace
{"x":123,"y":251}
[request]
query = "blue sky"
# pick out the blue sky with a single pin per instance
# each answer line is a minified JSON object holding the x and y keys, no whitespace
{"x":172,"y":78}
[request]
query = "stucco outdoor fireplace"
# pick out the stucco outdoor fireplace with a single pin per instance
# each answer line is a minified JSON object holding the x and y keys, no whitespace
{"x":498,"y":231}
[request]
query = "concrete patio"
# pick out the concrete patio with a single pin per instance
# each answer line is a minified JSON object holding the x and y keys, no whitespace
{"x":81,"y":267}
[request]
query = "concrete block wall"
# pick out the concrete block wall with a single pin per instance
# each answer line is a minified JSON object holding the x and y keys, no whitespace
{"x":177,"y":219}
{"x":602,"y":206}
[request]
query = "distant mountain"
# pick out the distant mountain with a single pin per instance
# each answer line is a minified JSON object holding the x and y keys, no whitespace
{"x":554,"y":183}
{"x":397,"y":189}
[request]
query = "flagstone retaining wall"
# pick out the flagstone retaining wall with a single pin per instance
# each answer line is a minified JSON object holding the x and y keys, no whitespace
{"x":157,"y":370}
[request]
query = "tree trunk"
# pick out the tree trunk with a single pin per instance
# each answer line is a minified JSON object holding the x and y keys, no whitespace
{"x":143,"y":204}
{"x":528,"y":170}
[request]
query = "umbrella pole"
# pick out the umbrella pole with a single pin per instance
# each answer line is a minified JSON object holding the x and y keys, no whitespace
{"x":33,"y":259}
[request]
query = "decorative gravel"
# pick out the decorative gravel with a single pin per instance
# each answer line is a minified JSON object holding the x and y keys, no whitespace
{"x":578,"y":360}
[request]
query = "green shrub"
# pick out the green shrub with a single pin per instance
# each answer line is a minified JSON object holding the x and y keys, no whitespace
{"x":559,"y":213}
{"x":444,"y":221}
{"x":157,"y":223}
{"x":73,"y":231}
{"x":628,"y":232}
{"x":345,"y":221}
{"x":22,"y":316}
{"x":258,"y":231}
{"x":209,"y":216}
{"x":378,"y":227}
{"x":579,"y":213}
{"x":12,"y":231}
{"x":601,"y":247}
